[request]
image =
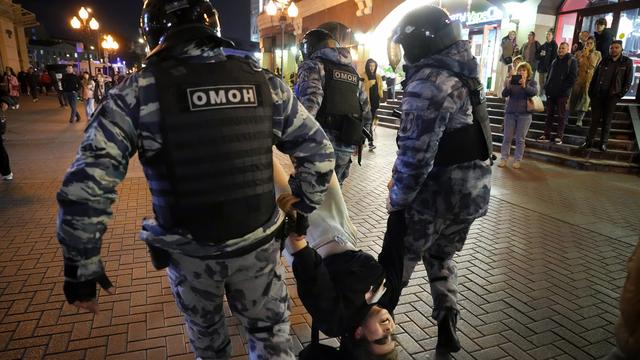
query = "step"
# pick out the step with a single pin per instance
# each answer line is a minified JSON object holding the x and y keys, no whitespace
{"x":566,"y":155}
{"x":613,"y":154}
{"x":616,"y":115}
{"x":615,"y":133}
{"x":579,"y":162}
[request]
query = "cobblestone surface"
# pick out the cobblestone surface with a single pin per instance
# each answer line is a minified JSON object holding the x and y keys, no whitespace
{"x":540,"y":275}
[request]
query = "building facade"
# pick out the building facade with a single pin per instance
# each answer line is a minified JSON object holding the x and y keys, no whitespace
{"x":13,"y":43}
{"x":55,"y":51}
{"x":365,"y":26}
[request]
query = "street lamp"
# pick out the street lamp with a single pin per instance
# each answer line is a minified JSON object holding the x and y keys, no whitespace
{"x":85,"y":25}
{"x":272,"y":8}
{"x":109,"y":45}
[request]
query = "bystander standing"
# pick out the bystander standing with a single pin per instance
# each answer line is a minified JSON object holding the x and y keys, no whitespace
{"x":588,"y":59}
{"x":562,"y":76}
{"x":546,"y":54}
{"x":610,"y":82}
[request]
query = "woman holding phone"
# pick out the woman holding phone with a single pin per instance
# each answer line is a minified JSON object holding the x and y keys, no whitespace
{"x":518,"y":88}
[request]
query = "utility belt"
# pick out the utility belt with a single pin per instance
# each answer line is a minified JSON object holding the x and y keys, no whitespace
{"x":160,"y":258}
{"x":348,"y":127}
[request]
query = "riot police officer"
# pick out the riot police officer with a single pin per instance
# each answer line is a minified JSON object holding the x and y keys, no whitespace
{"x":441,"y":177}
{"x":330,"y":89}
{"x":203,"y":125}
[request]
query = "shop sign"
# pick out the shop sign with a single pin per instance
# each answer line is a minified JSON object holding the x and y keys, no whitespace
{"x":472,"y":18}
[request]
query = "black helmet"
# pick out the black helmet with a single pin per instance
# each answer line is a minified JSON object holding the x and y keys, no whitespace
{"x":424,"y":32}
{"x":315,"y":40}
{"x":159,"y":17}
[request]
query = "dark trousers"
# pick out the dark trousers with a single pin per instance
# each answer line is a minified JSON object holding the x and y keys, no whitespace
{"x":34,"y":91}
{"x":5,"y":168}
{"x":72,"y":99}
{"x":61,"y":98}
{"x":373,"y":118}
{"x":556,"y":106}
{"x":602,"y":108}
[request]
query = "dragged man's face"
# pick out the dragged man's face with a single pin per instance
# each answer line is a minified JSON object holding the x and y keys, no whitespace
{"x":377,"y":329}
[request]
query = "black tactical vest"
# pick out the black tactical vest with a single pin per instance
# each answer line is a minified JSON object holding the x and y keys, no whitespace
{"x":468,"y":143}
{"x":473,"y":142}
{"x":340,"y":109}
{"x":217,"y":131}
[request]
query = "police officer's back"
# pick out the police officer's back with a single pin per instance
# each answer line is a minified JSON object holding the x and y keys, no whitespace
{"x":203,"y":125}
{"x":330,"y":89}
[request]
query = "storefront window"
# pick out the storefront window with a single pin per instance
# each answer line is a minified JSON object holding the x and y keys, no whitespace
{"x":566,"y":28}
{"x":629,"y":33}
{"x":589,"y":22}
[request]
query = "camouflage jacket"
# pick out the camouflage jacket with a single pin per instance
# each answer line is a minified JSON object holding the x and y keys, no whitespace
{"x":128,"y":121}
{"x":311,"y":84}
{"x":436,"y":102}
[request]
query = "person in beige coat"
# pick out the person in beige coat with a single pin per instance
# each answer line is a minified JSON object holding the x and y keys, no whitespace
{"x":588,"y":59}
{"x":373,"y":86}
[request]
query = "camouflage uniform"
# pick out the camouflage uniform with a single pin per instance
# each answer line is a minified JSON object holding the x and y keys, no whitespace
{"x":440,"y":203}
{"x":310,"y":83}
{"x":129,"y":121}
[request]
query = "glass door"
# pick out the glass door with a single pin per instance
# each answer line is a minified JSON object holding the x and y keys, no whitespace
{"x":629,"y":33}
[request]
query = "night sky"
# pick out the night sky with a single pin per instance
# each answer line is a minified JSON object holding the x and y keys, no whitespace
{"x":117,"y":17}
{"x":121,"y":17}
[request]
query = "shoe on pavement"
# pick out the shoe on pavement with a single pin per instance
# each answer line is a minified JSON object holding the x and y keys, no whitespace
{"x":557,"y":140}
{"x":603,"y":147}
{"x":372,"y":147}
{"x":7,"y":177}
{"x":447,"y":338}
{"x":543,"y":139}
{"x":517,"y":165}
{"x":35,"y":100}
{"x":502,"y":163}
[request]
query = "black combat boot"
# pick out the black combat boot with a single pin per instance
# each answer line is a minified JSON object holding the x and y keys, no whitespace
{"x":447,"y":338}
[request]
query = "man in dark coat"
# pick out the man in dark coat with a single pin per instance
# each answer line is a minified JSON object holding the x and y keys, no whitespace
{"x":603,"y":36}
{"x":546,"y":54}
{"x":610,"y":82}
{"x":562,"y":76}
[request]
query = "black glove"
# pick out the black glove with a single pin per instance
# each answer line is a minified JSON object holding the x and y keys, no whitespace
{"x":84,"y":290}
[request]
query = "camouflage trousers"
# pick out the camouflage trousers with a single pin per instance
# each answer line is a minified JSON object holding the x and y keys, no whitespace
{"x":256,"y":294}
{"x":435,"y":241}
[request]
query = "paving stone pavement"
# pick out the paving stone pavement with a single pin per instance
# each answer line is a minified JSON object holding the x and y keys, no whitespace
{"x":540,"y":275}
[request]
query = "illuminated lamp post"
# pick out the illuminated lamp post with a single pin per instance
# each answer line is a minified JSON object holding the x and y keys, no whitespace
{"x":86,"y":26}
{"x":278,"y":6}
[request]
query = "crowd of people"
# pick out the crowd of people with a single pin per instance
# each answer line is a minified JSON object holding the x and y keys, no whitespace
{"x":69,"y":88}
{"x":593,"y":75}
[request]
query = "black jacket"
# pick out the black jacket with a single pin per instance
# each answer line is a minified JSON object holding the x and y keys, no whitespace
{"x":70,"y":83}
{"x":551,"y":52}
{"x":333,"y":289}
{"x":621,"y":81}
{"x":603,"y":41}
{"x":562,"y":76}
